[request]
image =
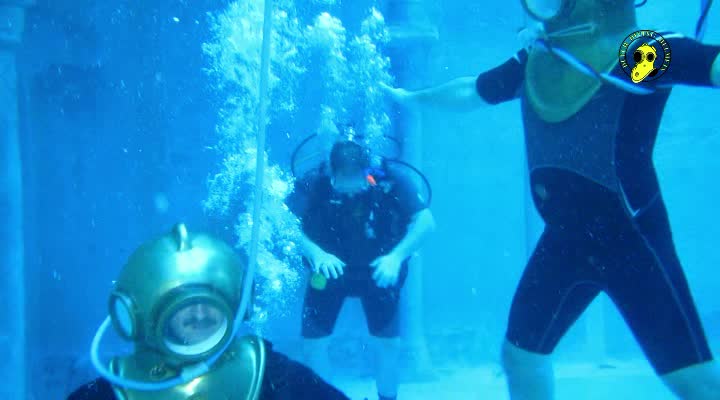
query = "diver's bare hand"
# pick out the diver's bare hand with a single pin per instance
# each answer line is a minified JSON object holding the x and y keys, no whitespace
{"x":327,"y":264}
{"x":530,"y":34}
{"x":387,"y":270}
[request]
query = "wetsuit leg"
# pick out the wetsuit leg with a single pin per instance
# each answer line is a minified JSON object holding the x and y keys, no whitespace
{"x":381,"y":304}
{"x":286,"y":379}
{"x":556,"y":287}
{"x":649,"y":287}
{"x":321,"y":308}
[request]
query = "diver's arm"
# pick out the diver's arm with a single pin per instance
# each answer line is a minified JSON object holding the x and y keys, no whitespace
{"x":421,"y":225}
{"x":456,"y":95}
{"x":309,"y":248}
{"x":468,"y":93}
{"x":692,"y":62}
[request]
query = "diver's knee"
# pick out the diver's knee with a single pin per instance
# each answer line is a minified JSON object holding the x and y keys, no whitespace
{"x":516,"y":359}
{"x":529,"y":375}
{"x":697,"y":382}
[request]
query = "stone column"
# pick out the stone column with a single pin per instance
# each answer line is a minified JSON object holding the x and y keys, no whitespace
{"x":12,"y":326}
{"x":412,"y":33}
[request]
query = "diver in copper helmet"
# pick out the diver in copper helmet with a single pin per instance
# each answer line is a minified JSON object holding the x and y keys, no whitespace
{"x":177,"y":300}
{"x":591,"y":111}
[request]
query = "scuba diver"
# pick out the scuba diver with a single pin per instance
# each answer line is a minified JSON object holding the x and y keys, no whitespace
{"x":590,"y":129}
{"x":360,"y":227}
{"x":177,"y":300}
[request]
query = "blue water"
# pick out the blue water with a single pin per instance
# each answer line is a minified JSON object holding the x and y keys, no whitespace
{"x":125,"y":124}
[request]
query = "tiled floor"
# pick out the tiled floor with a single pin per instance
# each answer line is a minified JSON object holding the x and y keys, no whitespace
{"x":625,"y":381}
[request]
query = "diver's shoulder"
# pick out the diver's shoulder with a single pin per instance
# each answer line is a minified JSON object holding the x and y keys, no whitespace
{"x":390,"y":172}
{"x":399,"y":176}
{"x":313,"y":177}
{"x":669,"y":34}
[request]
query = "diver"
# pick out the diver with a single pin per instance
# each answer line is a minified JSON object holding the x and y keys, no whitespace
{"x":176,"y":299}
{"x":360,"y":227}
{"x":589,"y":134}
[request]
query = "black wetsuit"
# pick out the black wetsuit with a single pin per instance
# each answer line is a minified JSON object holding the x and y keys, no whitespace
{"x":284,"y":379}
{"x":357,"y":230}
{"x":607,"y":229}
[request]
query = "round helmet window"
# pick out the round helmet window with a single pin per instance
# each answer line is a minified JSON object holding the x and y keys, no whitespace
{"x":543,"y":10}
{"x":195,"y":328}
{"x":123,"y":316}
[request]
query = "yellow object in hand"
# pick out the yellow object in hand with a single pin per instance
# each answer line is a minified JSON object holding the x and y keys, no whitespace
{"x":318,"y":281}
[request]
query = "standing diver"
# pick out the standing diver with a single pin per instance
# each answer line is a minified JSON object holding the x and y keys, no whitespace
{"x":361,"y":225}
{"x":177,"y":300}
{"x":589,"y":133}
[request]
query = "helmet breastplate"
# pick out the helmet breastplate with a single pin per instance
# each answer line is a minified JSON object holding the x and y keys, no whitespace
{"x":237,"y":375}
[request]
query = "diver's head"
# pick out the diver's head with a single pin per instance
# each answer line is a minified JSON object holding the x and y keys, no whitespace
{"x":178,"y":296}
{"x":194,"y":323}
{"x":349,"y":162}
{"x":605,"y":15}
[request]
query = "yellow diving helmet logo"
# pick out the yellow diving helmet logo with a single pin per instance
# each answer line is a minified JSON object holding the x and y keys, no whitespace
{"x":644,"y":57}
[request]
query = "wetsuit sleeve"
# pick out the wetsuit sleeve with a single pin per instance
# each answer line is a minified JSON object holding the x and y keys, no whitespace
{"x":503,"y":82}
{"x":287,"y":379}
{"x":690,"y":61}
{"x":99,"y":389}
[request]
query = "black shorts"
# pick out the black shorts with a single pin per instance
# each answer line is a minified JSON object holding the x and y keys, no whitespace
{"x":631,"y":259}
{"x":321,"y":307}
